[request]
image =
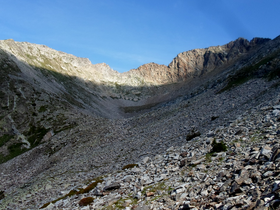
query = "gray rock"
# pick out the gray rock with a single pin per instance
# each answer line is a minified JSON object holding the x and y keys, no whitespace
{"x":145,"y":160}
{"x":266,"y":151}
{"x":113,"y":186}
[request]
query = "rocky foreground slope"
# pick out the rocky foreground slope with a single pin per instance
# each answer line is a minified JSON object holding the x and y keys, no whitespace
{"x":230,"y":167}
{"x":56,"y":144}
{"x":187,"y":175}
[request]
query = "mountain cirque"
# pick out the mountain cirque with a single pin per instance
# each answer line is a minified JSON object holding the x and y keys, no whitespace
{"x":68,"y":127}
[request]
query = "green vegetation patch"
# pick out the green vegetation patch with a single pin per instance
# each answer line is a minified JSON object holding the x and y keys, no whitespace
{"x":35,"y":135}
{"x":208,"y":156}
{"x":5,"y":138}
{"x":14,"y":150}
{"x":216,"y":147}
{"x":118,"y":86}
{"x":129,"y":166}
{"x":154,"y":188}
{"x":65,"y":127}
{"x":120,"y":204}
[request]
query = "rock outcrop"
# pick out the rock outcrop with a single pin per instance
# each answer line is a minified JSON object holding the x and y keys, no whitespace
{"x":197,"y":62}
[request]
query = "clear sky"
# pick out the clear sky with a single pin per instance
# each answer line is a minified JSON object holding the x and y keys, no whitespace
{"x":128,"y":33}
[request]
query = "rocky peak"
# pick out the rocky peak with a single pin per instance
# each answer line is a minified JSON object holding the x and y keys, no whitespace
{"x":197,"y":62}
{"x":258,"y":40}
{"x":152,"y":73}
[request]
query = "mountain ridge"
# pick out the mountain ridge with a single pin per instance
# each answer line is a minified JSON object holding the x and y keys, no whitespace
{"x":137,"y":86}
{"x":239,"y":45}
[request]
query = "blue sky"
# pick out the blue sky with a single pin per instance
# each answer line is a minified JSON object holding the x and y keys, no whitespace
{"x":128,"y":33}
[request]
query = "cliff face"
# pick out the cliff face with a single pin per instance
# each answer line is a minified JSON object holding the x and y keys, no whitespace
{"x":200,"y":61}
{"x":197,"y":62}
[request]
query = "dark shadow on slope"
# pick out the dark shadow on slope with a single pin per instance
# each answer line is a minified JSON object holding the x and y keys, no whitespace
{"x":265,"y":67}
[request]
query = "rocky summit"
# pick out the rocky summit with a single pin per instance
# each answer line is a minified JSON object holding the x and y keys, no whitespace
{"x":200,"y":133}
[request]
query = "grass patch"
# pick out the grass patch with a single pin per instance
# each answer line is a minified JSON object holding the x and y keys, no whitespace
{"x":129,"y":166}
{"x":36,"y":134}
{"x":5,"y":138}
{"x":2,"y":94}
{"x":65,"y":127}
{"x":2,"y":195}
{"x":208,"y":156}
{"x":154,"y":188}
{"x":15,"y":147}
{"x":120,"y":204}
{"x":118,"y":86}
{"x":14,"y":150}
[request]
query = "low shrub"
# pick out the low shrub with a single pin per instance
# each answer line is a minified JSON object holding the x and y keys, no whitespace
{"x":86,"y":201}
{"x":218,"y":147}
{"x":90,"y":186}
{"x":2,"y":195}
